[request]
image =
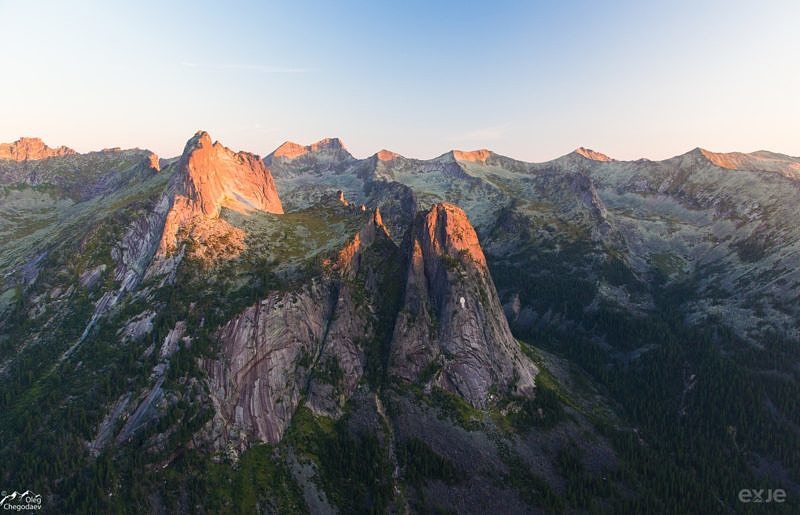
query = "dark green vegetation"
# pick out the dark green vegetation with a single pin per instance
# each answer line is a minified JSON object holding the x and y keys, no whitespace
{"x":420,"y":463}
{"x":353,"y":466}
{"x":708,"y":409}
{"x":389,"y":258}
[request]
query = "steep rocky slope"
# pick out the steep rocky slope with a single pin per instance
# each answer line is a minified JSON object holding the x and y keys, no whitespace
{"x":451,"y":325}
{"x":316,"y":332}
{"x":591,"y":233}
{"x":305,"y":342}
{"x":210,"y":176}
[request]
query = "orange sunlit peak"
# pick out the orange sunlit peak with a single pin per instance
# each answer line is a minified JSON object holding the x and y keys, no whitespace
{"x":474,"y":156}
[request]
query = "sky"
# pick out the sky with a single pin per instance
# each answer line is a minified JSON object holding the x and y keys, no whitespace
{"x":528,"y":79}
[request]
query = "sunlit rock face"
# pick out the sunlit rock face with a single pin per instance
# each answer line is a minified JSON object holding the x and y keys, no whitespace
{"x":214,"y":175}
{"x":210,"y":177}
{"x":386,"y":155}
{"x":591,"y":154}
{"x":25,"y":149}
{"x":288,"y":151}
{"x":761,"y":160}
{"x":473,"y":156}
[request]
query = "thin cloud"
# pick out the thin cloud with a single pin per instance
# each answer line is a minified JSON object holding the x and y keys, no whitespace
{"x":247,"y":67}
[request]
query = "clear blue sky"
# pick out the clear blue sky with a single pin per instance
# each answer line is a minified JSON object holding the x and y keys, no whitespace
{"x":528,"y":79}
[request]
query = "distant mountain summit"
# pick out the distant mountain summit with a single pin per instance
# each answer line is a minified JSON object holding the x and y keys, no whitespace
{"x":475,"y":156}
{"x":760,"y":160}
{"x":288,"y":151}
{"x":30,"y":149}
{"x":591,"y":154}
{"x":386,"y":155}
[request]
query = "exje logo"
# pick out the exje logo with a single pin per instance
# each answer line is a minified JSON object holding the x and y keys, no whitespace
{"x":758,"y":496}
{"x":25,"y":501}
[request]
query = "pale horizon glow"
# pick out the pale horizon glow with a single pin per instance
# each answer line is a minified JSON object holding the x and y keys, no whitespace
{"x":529,"y":80}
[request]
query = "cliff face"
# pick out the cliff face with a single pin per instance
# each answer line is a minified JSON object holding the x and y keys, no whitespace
{"x":308,"y":342}
{"x":451,"y":325}
{"x":213,"y":175}
{"x":592,"y":154}
{"x":265,"y":362}
{"x":210,"y":176}
{"x":448,"y":330}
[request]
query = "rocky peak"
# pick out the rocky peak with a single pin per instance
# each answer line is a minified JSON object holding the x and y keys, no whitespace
{"x":30,"y":149}
{"x":451,"y":321}
{"x":327,"y":144}
{"x":472,"y":156}
{"x":350,"y":255}
{"x":386,"y":155}
{"x":730,"y":161}
{"x":209,"y":177}
{"x":755,"y":161}
{"x":290,"y":150}
{"x":592,"y":155}
{"x":201,"y":139}
{"x":153,"y":162}
{"x":447,"y":230}
{"x":213,"y":175}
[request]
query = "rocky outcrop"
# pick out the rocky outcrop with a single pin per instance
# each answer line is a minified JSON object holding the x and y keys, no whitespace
{"x":351,"y":254}
{"x":265,"y":360}
{"x":324,"y":148}
{"x":472,"y":156}
{"x":451,"y":329}
{"x":134,"y":253}
{"x":133,"y":260}
{"x":386,"y":155}
{"x":153,"y":162}
{"x":592,"y":154}
{"x":31,"y":149}
{"x":398,"y":204}
{"x":307,"y":342}
{"x":211,"y":176}
{"x":341,"y":361}
{"x":364,"y":266}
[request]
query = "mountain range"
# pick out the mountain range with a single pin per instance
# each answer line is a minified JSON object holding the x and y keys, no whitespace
{"x":312,"y":332}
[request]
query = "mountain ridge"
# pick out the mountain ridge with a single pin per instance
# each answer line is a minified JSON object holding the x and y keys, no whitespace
{"x":290,"y":150}
{"x":27,"y":148}
{"x":469,"y":333}
{"x":31,"y":149}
